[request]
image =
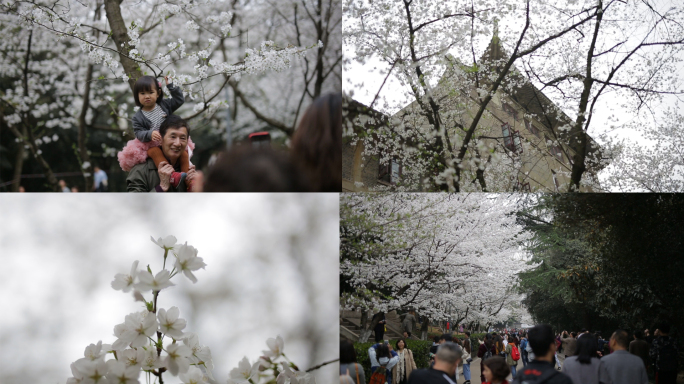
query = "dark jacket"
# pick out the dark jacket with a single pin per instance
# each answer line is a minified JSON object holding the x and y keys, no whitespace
{"x":430,"y":376}
{"x":142,"y":125}
{"x":640,"y":348}
{"x":541,"y":372}
{"x":664,"y":352}
{"x":145,"y":177}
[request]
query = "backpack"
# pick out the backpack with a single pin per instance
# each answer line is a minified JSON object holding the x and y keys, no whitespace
{"x":378,"y":377}
{"x":487,"y":354}
{"x":515,"y":354}
{"x":523,"y":345}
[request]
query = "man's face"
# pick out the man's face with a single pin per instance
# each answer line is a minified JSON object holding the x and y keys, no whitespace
{"x":174,"y":143}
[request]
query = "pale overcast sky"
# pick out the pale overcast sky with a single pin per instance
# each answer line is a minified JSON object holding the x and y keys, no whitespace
{"x":270,"y":263}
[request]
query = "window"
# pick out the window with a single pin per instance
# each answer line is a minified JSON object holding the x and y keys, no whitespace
{"x":509,"y":110}
{"x":390,"y":173}
{"x":511,"y":138}
{"x":554,"y":148}
{"x":530,"y":127}
{"x":556,"y":151}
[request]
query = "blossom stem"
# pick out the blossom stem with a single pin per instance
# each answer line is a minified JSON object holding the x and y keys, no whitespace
{"x":159,"y":335}
{"x":166,"y":252}
{"x":321,"y":365}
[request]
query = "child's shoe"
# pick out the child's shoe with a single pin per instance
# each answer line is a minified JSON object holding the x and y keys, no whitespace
{"x":177,"y":178}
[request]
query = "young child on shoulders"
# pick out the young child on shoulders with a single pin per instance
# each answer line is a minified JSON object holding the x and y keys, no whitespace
{"x":154,"y":109}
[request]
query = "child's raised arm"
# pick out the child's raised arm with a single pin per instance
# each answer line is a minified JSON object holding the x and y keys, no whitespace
{"x":176,"y":99}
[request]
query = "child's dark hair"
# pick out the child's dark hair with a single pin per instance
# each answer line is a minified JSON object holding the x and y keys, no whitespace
{"x":173,"y":121}
{"x":146,"y":83}
{"x":499,"y":368}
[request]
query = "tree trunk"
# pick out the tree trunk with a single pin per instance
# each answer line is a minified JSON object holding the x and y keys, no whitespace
{"x":121,"y":39}
{"x":424,"y":329}
{"x":31,"y":141}
{"x":27,"y":126}
{"x":366,"y":328}
{"x":82,"y":134}
{"x":578,"y":136}
{"x":18,"y":167}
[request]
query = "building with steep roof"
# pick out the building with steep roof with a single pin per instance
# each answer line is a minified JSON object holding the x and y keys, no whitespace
{"x":521,"y":124}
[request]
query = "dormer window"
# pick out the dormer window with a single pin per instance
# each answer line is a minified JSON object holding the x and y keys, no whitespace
{"x":530,"y":127}
{"x":556,"y":151}
{"x":509,"y":110}
{"x":554,"y":148}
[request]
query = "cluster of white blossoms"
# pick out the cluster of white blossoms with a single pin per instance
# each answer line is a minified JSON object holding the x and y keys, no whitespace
{"x":270,"y":57}
{"x":153,"y":340}
{"x":264,"y":369}
{"x":149,"y":340}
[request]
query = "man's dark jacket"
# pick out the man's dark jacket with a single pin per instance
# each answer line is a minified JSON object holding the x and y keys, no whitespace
{"x":430,"y":376}
{"x":145,"y":177}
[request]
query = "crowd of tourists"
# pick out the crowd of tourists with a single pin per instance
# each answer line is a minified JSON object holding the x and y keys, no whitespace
{"x":532,"y":356}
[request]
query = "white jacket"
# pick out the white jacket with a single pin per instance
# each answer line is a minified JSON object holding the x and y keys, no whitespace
{"x":385,"y":362}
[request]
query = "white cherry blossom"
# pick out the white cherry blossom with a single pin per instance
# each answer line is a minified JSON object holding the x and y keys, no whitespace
{"x":137,"y":328}
{"x":93,"y":372}
{"x":201,"y":355}
{"x":166,"y":243}
{"x":288,"y":376}
{"x":169,"y":322}
{"x":153,"y":283}
{"x":94,"y":351}
{"x":275,"y":347}
{"x":244,"y":372}
{"x":124,"y":282}
{"x":151,"y":361}
{"x":177,"y":359}
{"x":187,"y":261}
{"x":120,"y":373}
{"x":133,"y":357}
{"x":193,"y":376}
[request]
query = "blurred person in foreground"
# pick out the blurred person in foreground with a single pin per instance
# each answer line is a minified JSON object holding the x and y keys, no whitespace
{"x":246,"y":169}
{"x":317,"y":144}
{"x":665,"y":354}
{"x":541,"y":369}
{"x":496,"y":369}
{"x":348,"y":365}
{"x":447,"y":358}
{"x":585,"y":367}
{"x":624,"y":367}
